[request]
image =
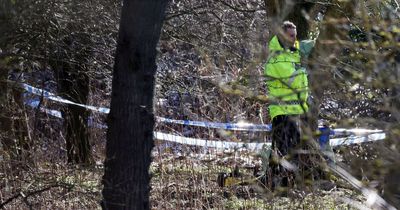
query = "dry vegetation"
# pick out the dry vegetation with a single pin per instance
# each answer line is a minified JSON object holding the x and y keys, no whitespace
{"x":210,"y":61}
{"x":184,"y":180}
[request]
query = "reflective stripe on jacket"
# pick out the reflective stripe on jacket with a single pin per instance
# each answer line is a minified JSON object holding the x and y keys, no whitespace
{"x":287,"y":81}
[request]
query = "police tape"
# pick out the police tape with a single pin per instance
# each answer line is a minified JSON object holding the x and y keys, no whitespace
{"x":336,"y":142}
{"x":227,"y":126}
{"x":241,"y":126}
{"x":170,"y":137}
{"x":222,"y":145}
{"x":53,"y":97}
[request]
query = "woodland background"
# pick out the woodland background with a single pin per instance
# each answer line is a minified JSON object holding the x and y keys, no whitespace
{"x":210,"y":58}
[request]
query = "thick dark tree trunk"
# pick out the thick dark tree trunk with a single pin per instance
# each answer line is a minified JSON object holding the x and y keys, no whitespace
{"x":73,"y":84}
{"x":131,"y":120}
{"x":75,"y":87}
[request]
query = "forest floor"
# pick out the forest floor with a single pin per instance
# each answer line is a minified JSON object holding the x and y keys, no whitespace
{"x":190,"y":182}
{"x":185,"y":180}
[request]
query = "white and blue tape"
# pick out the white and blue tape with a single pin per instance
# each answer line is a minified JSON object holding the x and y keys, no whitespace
{"x":175,"y":138}
{"x":335,"y":142}
{"x":217,"y":125}
{"x":236,"y":145}
{"x":53,"y":97}
{"x":226,"y":126}
{"x":258,"y":146}
{"x":208,"y":143}
{"x":358,"y":135}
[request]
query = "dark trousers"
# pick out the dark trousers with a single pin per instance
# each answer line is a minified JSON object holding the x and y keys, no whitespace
{"x":285,"y":139}
{"x":285,"y":134}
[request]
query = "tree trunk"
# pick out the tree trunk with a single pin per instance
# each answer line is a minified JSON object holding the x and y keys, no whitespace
{"x":395,"y":92}
{"x":20,"y":126}
{"x":131,"y":119}
{"x":292,"y":10}
{"x":321,"y":57}
{"x":14,"y":133}
{"x":75,"y":87}
{"x":73,"y":84}
{"x":15,"y":137}
{"x":6,"y":137}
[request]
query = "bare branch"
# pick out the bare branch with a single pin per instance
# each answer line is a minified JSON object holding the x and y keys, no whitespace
{"x":34,"y":192}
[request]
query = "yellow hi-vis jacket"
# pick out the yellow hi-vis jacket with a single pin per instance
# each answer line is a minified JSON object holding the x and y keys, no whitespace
{"x":286,"y":81}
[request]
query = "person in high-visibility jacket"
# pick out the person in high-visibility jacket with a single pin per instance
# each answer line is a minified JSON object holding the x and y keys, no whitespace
{"x":287,"y":86}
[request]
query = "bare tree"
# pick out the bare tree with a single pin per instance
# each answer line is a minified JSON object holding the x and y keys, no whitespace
{"x":131,"y":119}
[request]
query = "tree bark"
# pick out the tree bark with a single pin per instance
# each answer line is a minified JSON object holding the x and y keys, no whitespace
{"x":131,"y":119}
{"x":73,"y":84}
{"x":75,"y":87}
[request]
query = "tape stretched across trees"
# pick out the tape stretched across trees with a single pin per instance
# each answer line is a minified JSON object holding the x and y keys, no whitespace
{"x":53,"y":97}
{"x":175,"y":138}
{"x":226,"y":126}
{"x":217,"y":125}
{"x":258,"y":146}
{"x":226,"y":144}
{"x":208,"y":143}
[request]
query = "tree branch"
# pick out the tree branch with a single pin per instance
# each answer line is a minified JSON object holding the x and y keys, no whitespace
{"x":237,"y":9}
{"x":31,"y":193}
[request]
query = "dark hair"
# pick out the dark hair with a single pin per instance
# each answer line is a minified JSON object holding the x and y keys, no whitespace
{"x":287,"y":24}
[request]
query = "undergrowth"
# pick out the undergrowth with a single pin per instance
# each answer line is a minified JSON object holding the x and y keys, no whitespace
{"x":184,"y":180}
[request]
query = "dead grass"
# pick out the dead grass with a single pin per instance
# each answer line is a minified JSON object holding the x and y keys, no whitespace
{"x":190,"y":182}
{"x":180,"y":180}
{"x":50,"y":186}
